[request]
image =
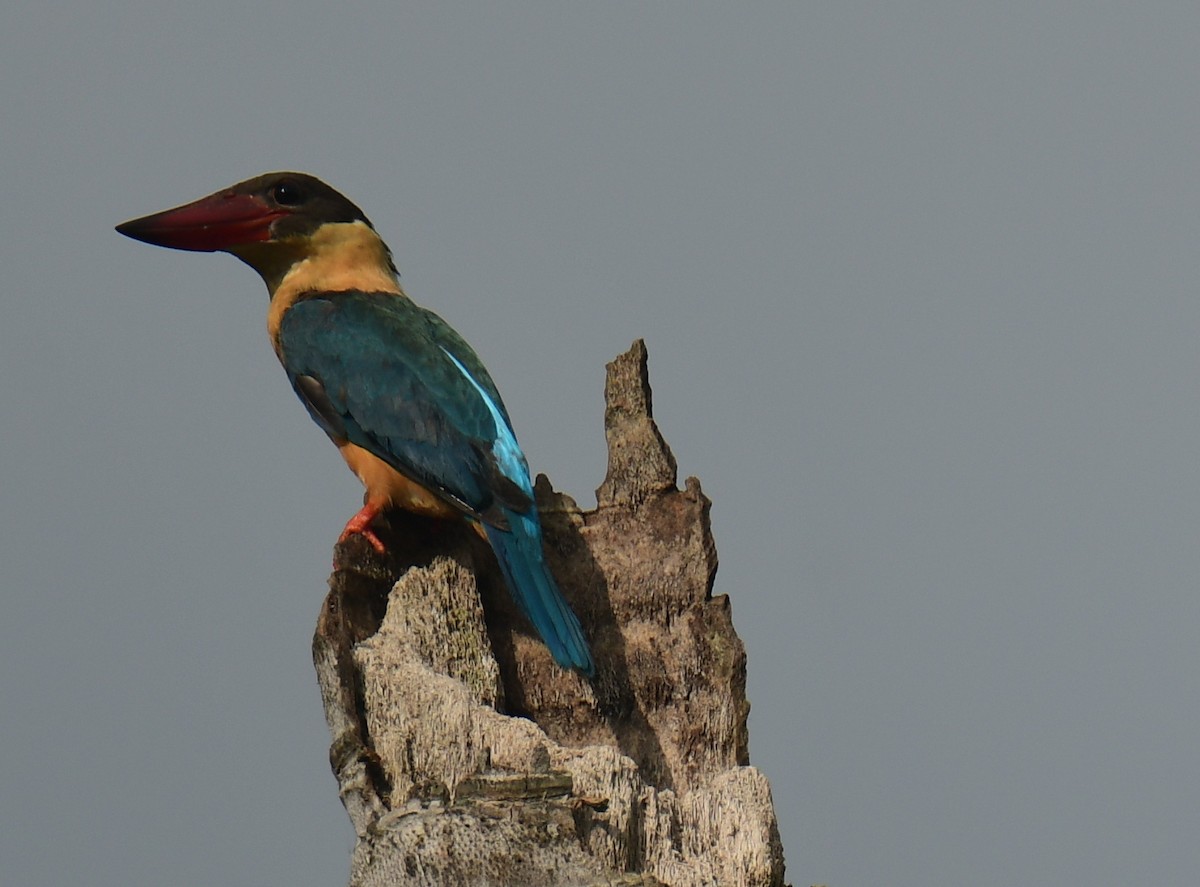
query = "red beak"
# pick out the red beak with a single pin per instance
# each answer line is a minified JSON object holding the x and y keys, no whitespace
{"x":212,"y":223}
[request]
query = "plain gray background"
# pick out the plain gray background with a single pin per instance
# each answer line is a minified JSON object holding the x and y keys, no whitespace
{"x":919,"y":287}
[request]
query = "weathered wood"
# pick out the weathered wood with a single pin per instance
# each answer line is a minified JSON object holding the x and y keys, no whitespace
{"x":465,"y":756}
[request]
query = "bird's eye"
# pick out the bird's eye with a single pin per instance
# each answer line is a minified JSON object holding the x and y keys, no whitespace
{"x":287,"y":194}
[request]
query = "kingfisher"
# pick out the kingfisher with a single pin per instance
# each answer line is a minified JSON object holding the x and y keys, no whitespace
{"x":404,"y":398}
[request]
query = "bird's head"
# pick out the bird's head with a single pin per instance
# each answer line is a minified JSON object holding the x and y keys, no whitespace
{"x":271,"y":222}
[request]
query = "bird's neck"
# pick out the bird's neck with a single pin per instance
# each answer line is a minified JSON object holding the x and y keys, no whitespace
{"x":337,"y":257}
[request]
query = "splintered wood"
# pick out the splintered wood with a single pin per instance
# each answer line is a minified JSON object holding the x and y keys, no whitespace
{"x":465,"y":756}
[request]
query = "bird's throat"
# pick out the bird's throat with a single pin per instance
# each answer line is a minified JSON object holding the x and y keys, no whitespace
{"x":337,"y":257}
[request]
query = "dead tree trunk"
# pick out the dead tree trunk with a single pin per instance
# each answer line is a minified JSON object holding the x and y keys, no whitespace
{"x":465,"y":756}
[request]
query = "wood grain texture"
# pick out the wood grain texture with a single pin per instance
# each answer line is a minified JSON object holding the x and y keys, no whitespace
{"x":465,"y":756}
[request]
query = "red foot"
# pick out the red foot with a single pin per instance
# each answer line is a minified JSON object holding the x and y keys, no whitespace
{"x":361,"y":524}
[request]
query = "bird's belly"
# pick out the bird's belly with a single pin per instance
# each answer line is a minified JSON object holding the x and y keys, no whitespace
{"x":388,"y":488}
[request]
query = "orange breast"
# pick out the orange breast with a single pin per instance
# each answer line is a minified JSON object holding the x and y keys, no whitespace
{"x":388,"y":488}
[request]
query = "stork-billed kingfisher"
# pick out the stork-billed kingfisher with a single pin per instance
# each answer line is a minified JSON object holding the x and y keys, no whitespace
{"x":405,"y":399}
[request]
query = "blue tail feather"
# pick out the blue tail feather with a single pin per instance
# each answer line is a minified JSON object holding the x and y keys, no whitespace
{"x":519,"y":553}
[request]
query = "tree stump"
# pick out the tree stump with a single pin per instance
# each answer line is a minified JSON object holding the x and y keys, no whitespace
{"x":465,"y":756}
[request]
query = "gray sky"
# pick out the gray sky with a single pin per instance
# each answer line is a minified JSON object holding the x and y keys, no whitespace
{"x":919,"y":287}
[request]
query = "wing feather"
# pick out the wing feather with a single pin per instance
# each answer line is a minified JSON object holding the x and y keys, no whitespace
{"x":396,"y":380}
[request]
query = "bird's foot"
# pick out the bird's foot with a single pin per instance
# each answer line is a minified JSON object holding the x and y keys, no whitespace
{"x":360,"y":524}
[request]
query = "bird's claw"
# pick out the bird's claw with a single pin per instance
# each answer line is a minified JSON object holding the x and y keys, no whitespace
{"x":369,"y":535}
{"x":360,"y":525}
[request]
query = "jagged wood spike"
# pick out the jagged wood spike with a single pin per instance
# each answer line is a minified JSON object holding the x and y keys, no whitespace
{"x":465,"y":756}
